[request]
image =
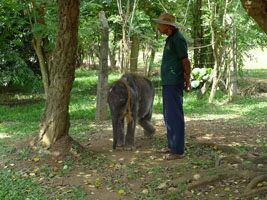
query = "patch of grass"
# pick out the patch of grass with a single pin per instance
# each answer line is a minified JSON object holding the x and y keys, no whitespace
{"x":255,"y":73}
{"x":30,"y":113}
{"x":14,"y":186}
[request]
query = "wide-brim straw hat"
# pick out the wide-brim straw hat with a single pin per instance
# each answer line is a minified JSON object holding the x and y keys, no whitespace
{"x":166,"y":18}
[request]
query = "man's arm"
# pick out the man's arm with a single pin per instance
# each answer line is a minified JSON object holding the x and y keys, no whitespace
{"x":187,"y":71}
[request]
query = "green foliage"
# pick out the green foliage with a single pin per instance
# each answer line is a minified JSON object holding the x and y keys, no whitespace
{"x":199,"y":75}
{"x":18,"y":64}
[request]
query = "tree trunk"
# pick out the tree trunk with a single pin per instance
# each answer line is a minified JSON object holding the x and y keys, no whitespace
{"x":151,"y":62}
{"x":120,"y":56}
{"x":112,"y":58}
{"x":102,"y":86}
{"x":55,"y":120}
{"x":38,"y":43}
{"x":215,"y":82}
{"x":196,"y":12}
{"x":126,"y":43}
{"x":134,"y":53}
{"x":153,"y":54}
{"x":257,"y":9}
{"x":112,"y":51}
{"x":124,"y":50}
{"x":232,"y":71}
{"x":218,"y":47}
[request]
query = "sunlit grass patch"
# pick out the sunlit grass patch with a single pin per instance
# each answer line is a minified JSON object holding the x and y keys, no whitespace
{"x":255,"y":73}
{"x":16,"y":186}
{"x":29,"y":113}
{"x":18,"y":130}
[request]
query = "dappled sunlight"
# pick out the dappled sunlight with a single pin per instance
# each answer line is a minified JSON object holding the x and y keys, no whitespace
{"x":210,"y":117}
{"x":2,"y":136}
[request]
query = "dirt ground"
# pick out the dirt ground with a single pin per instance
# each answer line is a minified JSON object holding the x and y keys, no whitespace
{"x":142,"y":174}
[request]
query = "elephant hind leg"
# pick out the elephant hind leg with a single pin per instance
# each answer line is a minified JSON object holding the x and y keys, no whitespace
{"x":149,"y":130}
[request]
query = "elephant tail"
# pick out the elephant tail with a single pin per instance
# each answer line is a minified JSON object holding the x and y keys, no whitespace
{"x":129,"y":102}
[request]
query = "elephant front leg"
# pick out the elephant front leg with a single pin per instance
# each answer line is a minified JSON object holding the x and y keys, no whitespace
{"x":129,"y":140}
{"x":120,"y":135}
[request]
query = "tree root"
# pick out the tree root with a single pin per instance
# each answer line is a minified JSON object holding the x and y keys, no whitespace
{"x":245,"y":165}
{"x":66,"y":145}
{"x":224,"y":148}
{"x":262,"y":159}
{"x":254,"y":192}
{"x":205,"y":181}
{"x":254,"y":182}
{"x":223,"y":173}
{"x":235,"y":159}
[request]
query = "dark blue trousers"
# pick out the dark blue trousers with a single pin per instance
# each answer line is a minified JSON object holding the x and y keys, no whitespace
{"x":174,"y":117}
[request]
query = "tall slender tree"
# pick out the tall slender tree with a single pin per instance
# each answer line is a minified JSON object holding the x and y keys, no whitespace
{"x":102,"y":86}
{"x":134,"y":52}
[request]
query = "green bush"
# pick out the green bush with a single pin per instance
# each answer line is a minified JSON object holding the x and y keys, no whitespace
{"x":199,"y":76}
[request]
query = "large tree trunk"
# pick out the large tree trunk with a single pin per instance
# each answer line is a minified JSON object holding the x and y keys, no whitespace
{"x":134,"y":53}
{"x":257,"y":9}
{"x":102,"y":86}
{"x":55,"y":120}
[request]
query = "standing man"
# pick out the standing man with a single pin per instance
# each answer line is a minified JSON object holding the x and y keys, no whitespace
{"x":175,"y":75}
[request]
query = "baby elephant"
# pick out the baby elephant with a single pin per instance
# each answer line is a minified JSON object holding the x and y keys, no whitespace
{"x":132,"y":97}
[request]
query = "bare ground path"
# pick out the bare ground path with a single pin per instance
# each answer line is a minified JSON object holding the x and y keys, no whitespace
{"x":204,"y":173}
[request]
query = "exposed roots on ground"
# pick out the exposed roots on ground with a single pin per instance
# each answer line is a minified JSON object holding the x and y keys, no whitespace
{"x":255,"y":181}
{"x":66,"y":145}
{"x":224,"y":148}
{"x":254,"y":192}
{"x":262,"y":159}
{"x":234,"y":165}
{"x":254,"y":89}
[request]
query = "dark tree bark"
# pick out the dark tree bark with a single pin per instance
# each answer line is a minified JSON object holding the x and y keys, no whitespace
{"x":197,"y":34}
{"x":134,"y":53}
{"x":257,"y":9}
{"x":152,"y":56}
{"x":102,"y":86}
{"x":55,"y":121}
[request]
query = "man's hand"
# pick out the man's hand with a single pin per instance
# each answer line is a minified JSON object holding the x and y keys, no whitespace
{"x":187,"y":82}
{"x":187,"y":71}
